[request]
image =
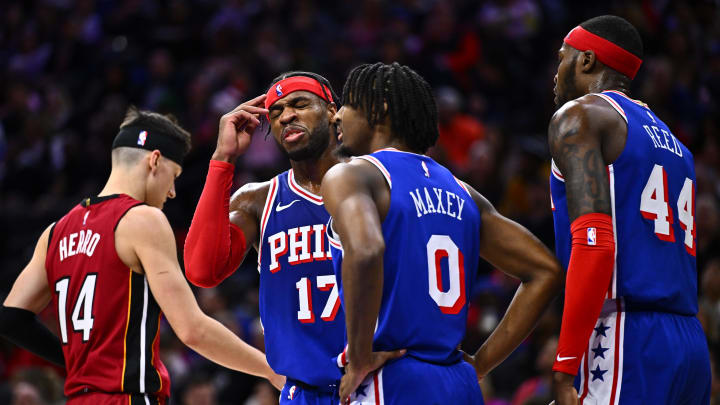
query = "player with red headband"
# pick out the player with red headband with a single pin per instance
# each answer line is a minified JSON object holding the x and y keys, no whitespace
{"x":284,"y":219}
{"x":623,"y":198}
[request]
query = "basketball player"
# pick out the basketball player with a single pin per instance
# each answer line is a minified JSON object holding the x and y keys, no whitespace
{"x":410,"y":237}
{"x":109,"y":268}
{"x":623,"y":194}
{"x":284,"y":219}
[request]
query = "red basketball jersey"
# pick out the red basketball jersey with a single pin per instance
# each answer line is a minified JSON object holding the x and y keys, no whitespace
{"x":109,"y":320}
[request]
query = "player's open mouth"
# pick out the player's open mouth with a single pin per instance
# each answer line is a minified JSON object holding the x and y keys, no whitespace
{"x":293,"y":135}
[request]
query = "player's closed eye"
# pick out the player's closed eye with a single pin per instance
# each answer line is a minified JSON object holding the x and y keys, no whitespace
{"x":275,"y":112}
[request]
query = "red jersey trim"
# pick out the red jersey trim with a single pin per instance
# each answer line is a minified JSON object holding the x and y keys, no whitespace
{"x":269,"y":201}
{"x":620,"y":93}
{"x":375,"y":162}
{"x":614,"y":105}
{"x":297,"y":189}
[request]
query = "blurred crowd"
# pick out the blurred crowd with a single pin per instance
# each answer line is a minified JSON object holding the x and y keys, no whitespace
{"x":70,"y":68}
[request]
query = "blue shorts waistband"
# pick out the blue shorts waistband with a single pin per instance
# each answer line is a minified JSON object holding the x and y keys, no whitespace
{"x":326,"y":388}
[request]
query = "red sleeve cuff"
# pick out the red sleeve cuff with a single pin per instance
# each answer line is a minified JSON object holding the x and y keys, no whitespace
{"x":222,"y":165}
{"x":589,"y":273}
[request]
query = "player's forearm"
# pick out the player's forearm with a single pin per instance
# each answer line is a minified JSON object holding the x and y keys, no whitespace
{"x":215,"y":342}
{"x":21,"y":327}
{"x":210,"y":244}
{"x":530,"y":302}
{"x":362,"y":290}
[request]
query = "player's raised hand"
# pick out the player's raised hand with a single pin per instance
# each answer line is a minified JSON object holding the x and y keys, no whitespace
{"x":236,"y":127}
{"x":563,"y":390}
{"x":355,"y":373}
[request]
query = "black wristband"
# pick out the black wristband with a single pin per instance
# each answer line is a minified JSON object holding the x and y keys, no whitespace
{"x":21,"y":327}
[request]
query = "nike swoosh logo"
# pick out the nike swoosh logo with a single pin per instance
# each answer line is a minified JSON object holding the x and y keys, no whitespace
{"x":282,"y":207}
{"x":564,"y":358}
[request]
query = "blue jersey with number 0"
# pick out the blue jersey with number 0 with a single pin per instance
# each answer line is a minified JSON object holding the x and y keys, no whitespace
{"x":652,"y":192}
{"x":432,"y":238}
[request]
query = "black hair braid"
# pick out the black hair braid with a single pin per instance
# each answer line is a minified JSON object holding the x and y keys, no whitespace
{"x":410,"y":102}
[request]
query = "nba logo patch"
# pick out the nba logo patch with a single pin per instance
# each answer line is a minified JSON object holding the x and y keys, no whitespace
{"x":591,"y":236}
{"x":291,"y":392}
{"x":278,"y":90}
{"x":141,"y":138}
{"x":425,"y":168}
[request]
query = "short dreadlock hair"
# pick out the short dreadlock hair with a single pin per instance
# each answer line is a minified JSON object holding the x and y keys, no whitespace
{"x":410,"y":102}
{"x":616,"y":30}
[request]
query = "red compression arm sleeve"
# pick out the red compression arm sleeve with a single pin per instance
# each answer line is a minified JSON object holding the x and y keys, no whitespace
{"x":588,"y":278}
{"x":214,"y":247}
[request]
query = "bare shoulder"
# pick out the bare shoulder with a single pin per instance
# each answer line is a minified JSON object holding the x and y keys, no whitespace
{"x":143,"y":222}
{"x":342,"y":170}
{"x":587,"y":104}
{"x":588,"y":110}
{"x":45,"y":237}
{"x":577,"y":137}
{"x":583,"y":120}
{"x":352,"y":174}
{"x":250,"y":198}
{"x":482,"y":203}
{"x":143,"y":232}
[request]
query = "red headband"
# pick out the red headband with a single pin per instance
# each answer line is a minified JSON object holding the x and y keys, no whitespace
{"x":606,"y":51}
{"x":297,"y":83}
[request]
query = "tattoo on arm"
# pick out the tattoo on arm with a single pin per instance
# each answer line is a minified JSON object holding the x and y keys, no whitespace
{"x":576,"y":148}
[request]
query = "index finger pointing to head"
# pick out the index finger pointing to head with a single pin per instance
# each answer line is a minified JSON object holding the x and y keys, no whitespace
{"x":257,"y":101}
{"x":255,"y":110}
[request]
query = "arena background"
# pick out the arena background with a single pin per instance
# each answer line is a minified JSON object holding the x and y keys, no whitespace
{"x":69,"y":69}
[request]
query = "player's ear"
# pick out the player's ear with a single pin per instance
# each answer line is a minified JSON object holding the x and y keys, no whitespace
{"x":587,"y":61}
{"x":332,"y":110}
{"x":154,"y":160}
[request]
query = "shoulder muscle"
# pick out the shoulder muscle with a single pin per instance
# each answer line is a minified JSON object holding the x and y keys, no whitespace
{"x":250,"y":198}
{"x":143,"y":230}
{"x":575,"y":138}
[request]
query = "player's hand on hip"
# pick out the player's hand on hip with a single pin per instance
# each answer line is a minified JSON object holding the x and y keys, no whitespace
{"x":277,"y":380}
{"x":356,"y":372}
{"x":236,"y":127}
{"x":563,"y":390}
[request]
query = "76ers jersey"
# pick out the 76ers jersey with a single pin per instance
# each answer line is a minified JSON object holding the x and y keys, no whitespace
{"x":432,"y":241}
{"x":652,"y":192}
{"x":109,"y":320}
{"x":299,"y":305}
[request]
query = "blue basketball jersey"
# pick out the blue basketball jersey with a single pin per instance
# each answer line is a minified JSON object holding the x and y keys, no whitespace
{"x":652,"y":191}
{"x":432,"y":238}
{"x":299,"y":305}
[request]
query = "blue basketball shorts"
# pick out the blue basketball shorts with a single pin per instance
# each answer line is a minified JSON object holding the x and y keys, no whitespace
{"x":412,"y":381}
{"x":297,"y":393}
{"x":641,"y":357}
